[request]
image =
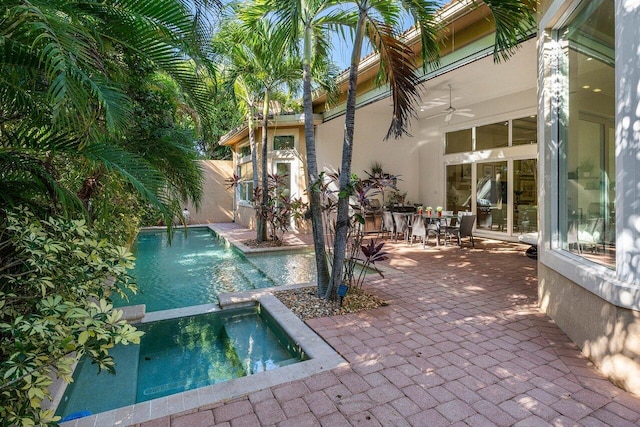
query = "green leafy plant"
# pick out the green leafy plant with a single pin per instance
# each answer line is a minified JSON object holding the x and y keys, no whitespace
{"x":57,"y":276}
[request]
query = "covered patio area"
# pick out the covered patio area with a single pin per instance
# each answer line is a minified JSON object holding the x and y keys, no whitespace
{"x":461,"y":342}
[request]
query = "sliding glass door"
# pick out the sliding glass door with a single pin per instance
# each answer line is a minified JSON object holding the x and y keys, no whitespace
{"x":491,"y":196}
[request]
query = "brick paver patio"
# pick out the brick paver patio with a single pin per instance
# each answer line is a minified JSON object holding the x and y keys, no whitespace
{"x":461,"y":343}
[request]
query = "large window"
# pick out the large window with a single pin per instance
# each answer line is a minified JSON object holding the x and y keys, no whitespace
{"x":525,"y":131}
{"x":587,"y":110}
{"x":283,"y":142}
{"x":458,"y":141}
{"x":495,"y":135}
{"x":245,"y":186}
{"x":500,"y":184}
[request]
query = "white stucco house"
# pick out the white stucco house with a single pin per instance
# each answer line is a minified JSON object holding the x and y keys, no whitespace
{"x":546,"y":142}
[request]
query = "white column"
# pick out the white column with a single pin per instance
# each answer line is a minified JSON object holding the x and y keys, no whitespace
{"x":627,"y":35}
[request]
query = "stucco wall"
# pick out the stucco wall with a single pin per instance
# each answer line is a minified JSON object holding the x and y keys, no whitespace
{"x":246,"y":216}
{"x":608,"y":335}
{"x":217,"y":200}
{"x":398,"y":157}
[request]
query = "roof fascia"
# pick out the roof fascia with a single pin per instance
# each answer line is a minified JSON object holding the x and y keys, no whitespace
{"x":238,"y":134}
{"x":470,"y":53}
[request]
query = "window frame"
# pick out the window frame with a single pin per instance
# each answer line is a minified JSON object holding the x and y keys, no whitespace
{"x":614,"y":286}
{"x":284,"y":135}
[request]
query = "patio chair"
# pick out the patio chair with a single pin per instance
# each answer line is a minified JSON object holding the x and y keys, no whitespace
{"x":433,"y":230}
{"x":450,"y":228}
{"x":401,"y":225}
{"x":418,"y":229}
{"x":466,"y":229}
{"x":388,"y":225}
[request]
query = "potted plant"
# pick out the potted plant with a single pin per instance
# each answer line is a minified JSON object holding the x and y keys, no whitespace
{"x":376,"y":170}
{"x":420,"y":210}
{"x":429,"y":209}
{"x":439,"y":210}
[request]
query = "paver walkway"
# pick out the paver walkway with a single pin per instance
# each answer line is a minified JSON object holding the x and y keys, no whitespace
{"x":460,"y":343}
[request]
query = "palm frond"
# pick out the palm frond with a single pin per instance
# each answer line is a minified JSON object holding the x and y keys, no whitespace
{"x":425,"y":17}
{"x":145,"y":179}
{"x":25,"y":180}
{"x":514,"y":21}
{"x":398,"y":69}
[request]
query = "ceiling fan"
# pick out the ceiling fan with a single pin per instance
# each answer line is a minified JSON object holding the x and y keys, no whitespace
{"x":464,"y":112}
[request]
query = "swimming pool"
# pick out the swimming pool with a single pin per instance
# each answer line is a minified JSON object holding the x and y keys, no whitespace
{"x":183,"y":354}
{"x":198,"y":266}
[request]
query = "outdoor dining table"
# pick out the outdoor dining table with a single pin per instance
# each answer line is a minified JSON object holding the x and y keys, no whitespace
{"x":434,"y":218}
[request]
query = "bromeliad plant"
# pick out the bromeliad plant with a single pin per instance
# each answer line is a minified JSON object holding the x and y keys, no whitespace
{"x":372,"y":252}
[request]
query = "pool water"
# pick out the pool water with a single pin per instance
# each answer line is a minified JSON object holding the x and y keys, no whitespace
{"x":182,"y":354}
{"x":286,"y":267}
{"x":198,"y":266}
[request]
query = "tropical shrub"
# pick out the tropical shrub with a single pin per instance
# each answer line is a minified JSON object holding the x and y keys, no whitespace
{"x":359,"y":258}
{"x":56,"y":278}
{"x":278,"y":209}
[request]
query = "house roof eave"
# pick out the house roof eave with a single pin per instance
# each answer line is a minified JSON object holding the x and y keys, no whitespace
{"x":241,"y":132}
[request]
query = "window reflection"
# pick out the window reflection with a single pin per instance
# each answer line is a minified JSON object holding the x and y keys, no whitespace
{"x":458,"y":188}
{"x":491,"y":196}
{"x":495,"y":135}
{"x":525,"y":207}
{"x":587,"y":183}
{"x":525,"y":130}
{"x":458,"y":141}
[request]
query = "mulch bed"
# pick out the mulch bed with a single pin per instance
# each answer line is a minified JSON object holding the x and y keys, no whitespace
{"x":305,"y":303}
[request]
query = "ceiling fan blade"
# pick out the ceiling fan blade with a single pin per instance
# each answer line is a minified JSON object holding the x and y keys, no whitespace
{"x":458,"y":113}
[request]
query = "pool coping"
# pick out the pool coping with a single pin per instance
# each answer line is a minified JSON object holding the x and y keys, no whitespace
{"x":321,"y":357}
{"x":247,"y":250}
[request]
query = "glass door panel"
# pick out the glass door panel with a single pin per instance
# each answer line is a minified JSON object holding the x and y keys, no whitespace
{"x":458,"y":197}
{"x":491,"y":196}
{"x":283,"y":169}
{"x":525,"y":196}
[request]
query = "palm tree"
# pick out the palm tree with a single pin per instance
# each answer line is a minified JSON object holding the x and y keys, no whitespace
{"x":309,"y":21}
{"x":378,"y":21}
{"x":236,"y":63}
{"x":261,"y":59}
{"x":62,"y":94}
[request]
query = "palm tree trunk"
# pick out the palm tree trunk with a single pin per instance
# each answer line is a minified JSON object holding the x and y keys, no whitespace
{"x":262,"y":224}
{"x":342,"y":220}
{"x":315,"y":206}
{"x":254,"y":162}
